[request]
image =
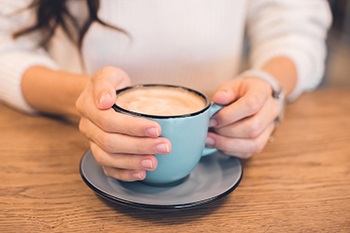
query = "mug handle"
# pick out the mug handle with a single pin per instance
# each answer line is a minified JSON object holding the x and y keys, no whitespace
{"x":214,"y":108}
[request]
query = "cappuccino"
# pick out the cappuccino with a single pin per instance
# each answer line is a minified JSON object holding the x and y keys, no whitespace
{"x":160,"y":101}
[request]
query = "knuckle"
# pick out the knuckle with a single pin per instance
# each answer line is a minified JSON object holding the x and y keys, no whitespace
{"x":83,"y":128}
{"x":121,"y":72}
{"x":124,"y":175}
{"x":106,"y":143}
{"x":222,"y":117}
{"x":224,"y":144}
{"x":258,"y":147}
{"x":78,"y":104}
{"x":115,"y":173}
{"x":107,"y":171}
{"x":254,"y":128}
{"x":108,"y":70}
{"x":253,"y":103}
{"x":99,"y":158}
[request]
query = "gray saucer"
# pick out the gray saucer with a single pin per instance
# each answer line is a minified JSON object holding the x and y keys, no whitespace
{"x":215,"y":176}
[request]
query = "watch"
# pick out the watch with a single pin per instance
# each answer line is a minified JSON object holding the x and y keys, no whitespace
{"x":277,"y":91}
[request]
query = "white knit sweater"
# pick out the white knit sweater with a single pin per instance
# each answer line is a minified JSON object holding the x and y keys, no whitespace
{"x":194,"y":43}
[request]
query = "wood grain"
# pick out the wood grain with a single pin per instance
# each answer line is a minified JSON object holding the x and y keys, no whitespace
{"x":299,"y":183}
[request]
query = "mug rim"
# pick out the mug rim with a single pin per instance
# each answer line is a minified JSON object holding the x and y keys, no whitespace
{"x":120,"y":109}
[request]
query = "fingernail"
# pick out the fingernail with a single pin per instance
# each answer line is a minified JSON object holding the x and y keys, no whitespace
{"x":147,"y":163}
{"x":137,"y":176}
{"x":210,"y":141}
{"x":162,"y":148}
{"x":104,"y":96}
{"x":213,"y":123}
{"x":152,"y":132}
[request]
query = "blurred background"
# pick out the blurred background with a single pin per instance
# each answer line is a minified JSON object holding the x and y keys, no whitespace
{"x":338,"y":61}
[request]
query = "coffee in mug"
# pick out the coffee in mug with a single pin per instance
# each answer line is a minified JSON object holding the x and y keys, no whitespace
{"x":183,"y":114}
{"x":160,"y":101}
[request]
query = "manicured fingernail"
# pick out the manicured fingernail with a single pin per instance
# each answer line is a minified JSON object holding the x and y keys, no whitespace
{"x":152,"y":132}
{"x":162,"y":148}
{"x":147,"y":163}
{"x":210,"y":141}
{"x":137,"y":176}
{"x":213,"y":123}
{"x":104,"y":96}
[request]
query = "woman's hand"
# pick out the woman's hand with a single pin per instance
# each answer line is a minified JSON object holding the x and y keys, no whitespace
{"x":243,"y":127}
{"x":124,"y":145}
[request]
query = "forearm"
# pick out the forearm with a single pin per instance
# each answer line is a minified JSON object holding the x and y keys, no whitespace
{"x":284,"y":70}
{"x":53,"y":92}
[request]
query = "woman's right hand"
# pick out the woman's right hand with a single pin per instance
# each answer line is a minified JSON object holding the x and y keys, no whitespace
{"x":122,"y":144}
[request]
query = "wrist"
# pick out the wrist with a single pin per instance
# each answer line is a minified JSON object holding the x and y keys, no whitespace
{"x":51,"y":91}
{"x":78,"y":84}
{"x":284,"y":71}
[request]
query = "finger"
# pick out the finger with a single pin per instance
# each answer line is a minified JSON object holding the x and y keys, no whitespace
{"x":246,"y":105}
{"x":123,"y":161}
{"x":224,"y":95}
{"x":124,"y":175}
{"x":114,"y":122}
{"x":238,"y":145}
{"x":252,"y":127}
{"x":104,"y":84}
{"x":121,"y":143}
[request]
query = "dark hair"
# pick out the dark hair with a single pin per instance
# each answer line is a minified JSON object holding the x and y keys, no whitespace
{"x":53,"y":13}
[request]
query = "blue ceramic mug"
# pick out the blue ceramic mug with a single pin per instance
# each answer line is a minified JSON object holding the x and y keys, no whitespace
{"x":187,"y":134}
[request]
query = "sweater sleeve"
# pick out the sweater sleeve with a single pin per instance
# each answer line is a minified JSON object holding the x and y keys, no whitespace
{"x":296,"y":29}
{"x":17,"y":55}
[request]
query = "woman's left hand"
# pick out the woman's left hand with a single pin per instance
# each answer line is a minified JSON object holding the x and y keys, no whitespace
{"x":243,"y":127}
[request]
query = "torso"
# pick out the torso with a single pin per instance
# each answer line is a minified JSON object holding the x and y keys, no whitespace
{"x":194,"y":43}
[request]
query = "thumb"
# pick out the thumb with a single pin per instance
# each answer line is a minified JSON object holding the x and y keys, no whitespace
{"x":104,"y":84}
{"x":224,"y":95}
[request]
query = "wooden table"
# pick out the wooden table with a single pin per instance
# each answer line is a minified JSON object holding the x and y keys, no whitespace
{"x":299,"y":183}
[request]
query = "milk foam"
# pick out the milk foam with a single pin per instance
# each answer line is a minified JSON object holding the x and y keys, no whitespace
{"x":160,"y":101}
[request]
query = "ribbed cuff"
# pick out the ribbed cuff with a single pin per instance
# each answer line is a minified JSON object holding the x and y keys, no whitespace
{"x":12,"y":68}
{"x":302,"y":63}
